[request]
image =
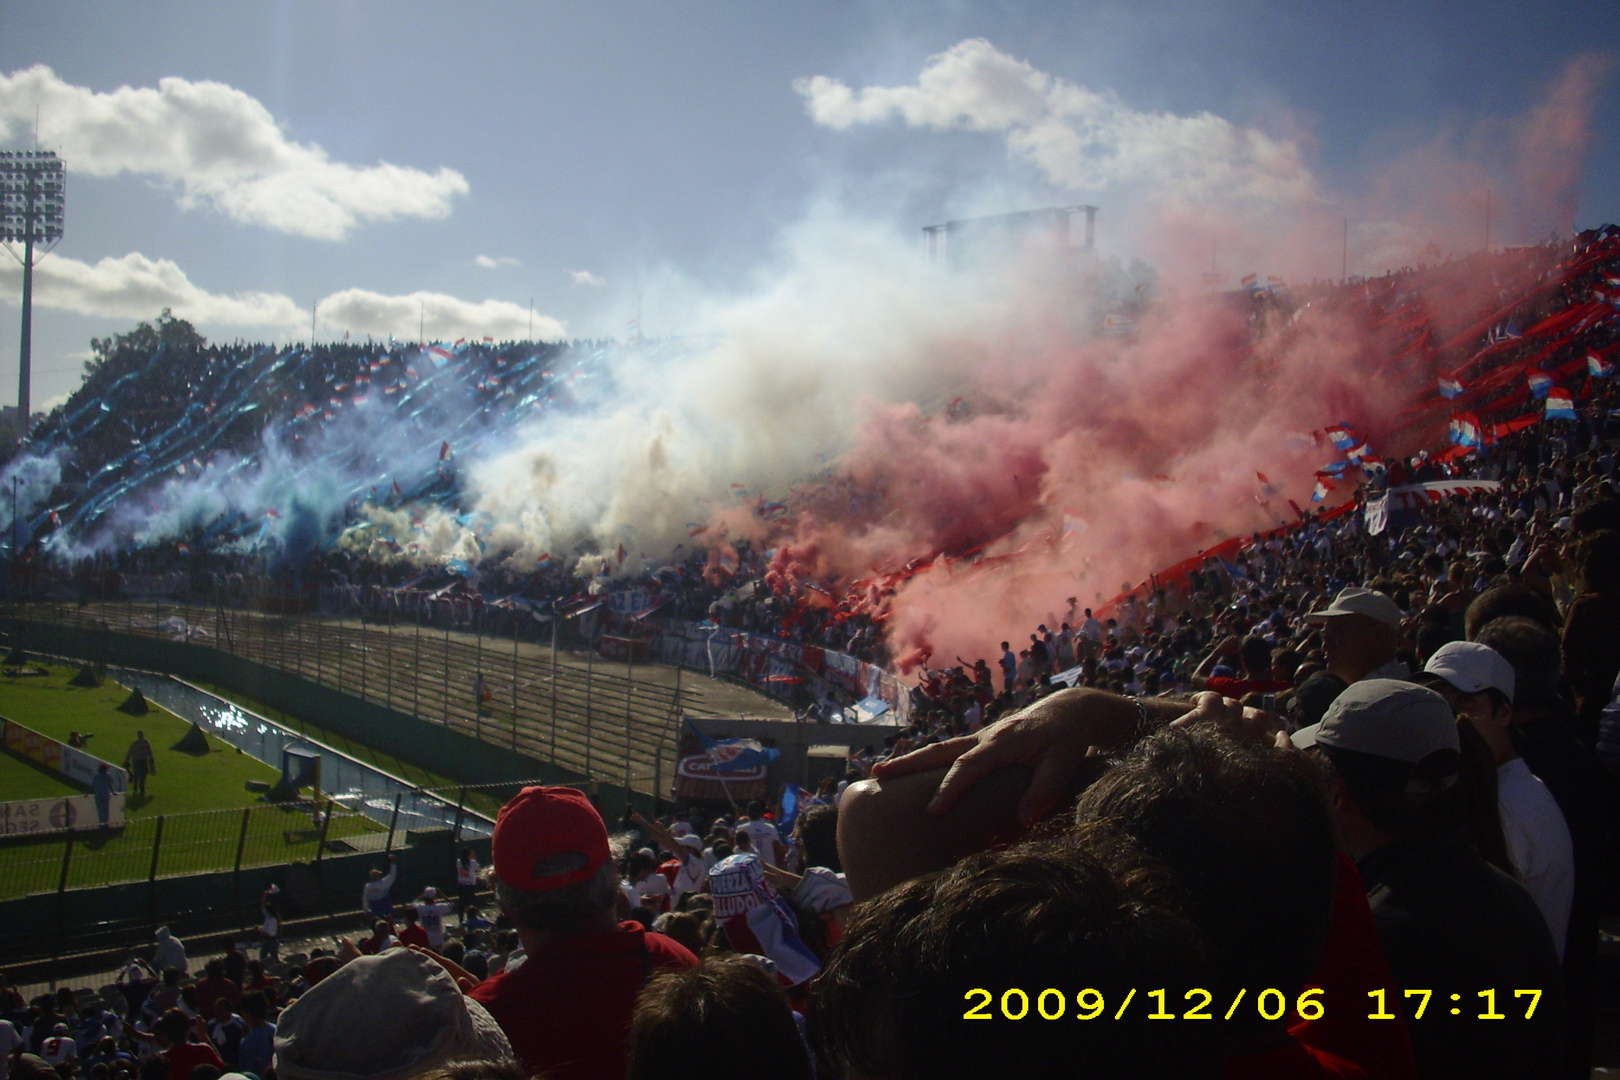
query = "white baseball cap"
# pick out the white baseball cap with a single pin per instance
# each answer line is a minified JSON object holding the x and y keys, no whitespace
{"x":1471,"y":668}
{"x":1369,"y":602}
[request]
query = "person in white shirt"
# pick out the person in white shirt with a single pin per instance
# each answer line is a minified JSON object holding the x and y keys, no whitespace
{"x":1478,"y":681}
{"x":767,"y":844}
{"x":374,"y":893}
{"x":59,"y":1047}
{"x":466,"y":881}
{"x":430,"y":912}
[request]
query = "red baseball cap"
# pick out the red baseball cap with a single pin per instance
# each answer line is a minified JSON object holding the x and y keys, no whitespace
{"x":542,"y":825}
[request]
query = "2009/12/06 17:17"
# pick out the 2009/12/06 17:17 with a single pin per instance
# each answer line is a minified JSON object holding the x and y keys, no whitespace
{"x":1271,"y":1004}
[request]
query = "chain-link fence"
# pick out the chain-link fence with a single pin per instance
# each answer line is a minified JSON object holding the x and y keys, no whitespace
{"x":177,"y":845}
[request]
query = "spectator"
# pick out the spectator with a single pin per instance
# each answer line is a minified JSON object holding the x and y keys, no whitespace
{"x":384,"y":1017}
{"x":59,"y":1048}
{"x":1448,"y":921}
{"x":182,"y":1056}
{"x":140,"y":760}
{"x":214,"y":985}
{"x":430,"y":910}
{"x":466,"y":882}
{"x":225,"y":1031}
{"x":257,"y":1049}
{"x":1103,"y":917}
{"x":412,"y":933}
{"x":767,"y":843}
{"x":1477,"y":682}
{"x":722,"y":1020}
{"x":1592,"y":631}
{"x":374,"y":898}
{"x":567,"y":1008}
{"x":170,"y":952}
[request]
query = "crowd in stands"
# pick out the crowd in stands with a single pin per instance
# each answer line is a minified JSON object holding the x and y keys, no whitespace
{"x":1342,"y":804}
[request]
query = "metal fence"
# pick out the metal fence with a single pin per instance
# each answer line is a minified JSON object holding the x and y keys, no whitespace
{"x":177,"y":845}
{"x":609,"y":721}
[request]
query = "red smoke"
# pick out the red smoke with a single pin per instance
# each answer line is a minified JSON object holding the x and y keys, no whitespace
{"x":1076,"y":467}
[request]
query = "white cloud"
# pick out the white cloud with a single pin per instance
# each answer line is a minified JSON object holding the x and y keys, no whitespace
{"x":585,"y":277}
{"x":488,"y":263}
{"x":1078,"y":138}
{"x":135,"y":287}
{"x":440,"y":317}
{"x":218,"y":147}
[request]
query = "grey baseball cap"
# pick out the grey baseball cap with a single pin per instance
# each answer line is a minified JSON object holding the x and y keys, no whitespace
{"x":1385,"y":718}
{"x":1369,"y":602}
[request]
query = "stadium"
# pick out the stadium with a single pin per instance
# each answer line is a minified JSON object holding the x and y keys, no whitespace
{"x":1039,"y":604}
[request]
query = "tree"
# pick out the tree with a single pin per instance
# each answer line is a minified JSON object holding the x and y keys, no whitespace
{"x":174,"y":335}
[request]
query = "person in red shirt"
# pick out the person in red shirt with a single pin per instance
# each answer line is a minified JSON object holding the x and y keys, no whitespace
{"x":567,"y":1007}
{"x":183,"y":1056}
{"x":412,"y":933}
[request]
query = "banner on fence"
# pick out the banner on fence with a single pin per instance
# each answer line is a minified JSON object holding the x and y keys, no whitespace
{"x":30,"y":817}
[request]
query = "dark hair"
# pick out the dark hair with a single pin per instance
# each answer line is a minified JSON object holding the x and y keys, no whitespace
{"x":1249,"y":834}
{"x":722,"y":1020}
{"x":685,"y":928}
{"x":1597,"y":559}
{"x":1505,"y":600}
{"x":818,"y":832}
{"x":1256,"y":654}
{"x":173,"y":1025}
{"x":1090,"y":911}
{"x":490,"y":1069}
{"x":254,"y":1004}
{"x":1536,"y":656}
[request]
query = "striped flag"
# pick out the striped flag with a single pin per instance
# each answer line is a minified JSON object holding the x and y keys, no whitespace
{"x":1598,"y":367}
{"x":1450,"y":388}
{"x":1560,"y":405}
{"x":1540,"y":383}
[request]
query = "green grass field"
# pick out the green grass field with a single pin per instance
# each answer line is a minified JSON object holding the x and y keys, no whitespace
{"x":200,"y":798}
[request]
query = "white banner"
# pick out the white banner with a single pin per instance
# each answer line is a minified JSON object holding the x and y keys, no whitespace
{"x":29,"y":817}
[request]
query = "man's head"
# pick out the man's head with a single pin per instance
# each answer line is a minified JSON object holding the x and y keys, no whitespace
{"x":1395,"y":751}
{"x":1505,"y":600}
{"x":1477,"y":682}
{"x":1360,"y":632}
{"x":727,"y":1020}
{"x":553,"y":868}
{"x":1090,"y":913}
{"x":1537,"y":659}
{"x":222,"y":1009}
{"x":1246,"y":830}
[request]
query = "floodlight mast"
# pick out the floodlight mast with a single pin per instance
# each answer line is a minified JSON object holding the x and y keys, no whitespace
{"x":33,"y":191}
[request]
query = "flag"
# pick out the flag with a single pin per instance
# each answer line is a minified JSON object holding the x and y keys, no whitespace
{"x":396,"y":488}
{"x":1465,"y":430}
{"x":733,"y":755}
{"x":1267,"y":488}
{"x":1343,"y":436}
{"x":1598,"y":367}
{"x":1251,"y":283}
{"x":444,"y":451}
{"x":1334,"y":469}
{"x":1560,"y":406}
{"x":1540,"y":382}
{"x":1321,"y":492}
{"x":1450,"y":388}
{"x":757,"y":920}
{"x":544,"y":559}
{"x":487,"y":338}
{"x":794,"y":798}
{"x":1358,"y":452}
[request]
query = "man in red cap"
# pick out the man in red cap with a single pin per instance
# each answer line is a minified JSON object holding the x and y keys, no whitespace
{"x":566,"y":1008}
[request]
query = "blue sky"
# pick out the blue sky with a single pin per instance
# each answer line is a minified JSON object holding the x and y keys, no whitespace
{"x":600,"y":156}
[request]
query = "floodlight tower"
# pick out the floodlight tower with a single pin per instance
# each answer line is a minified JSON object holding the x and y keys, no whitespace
{"x":33,"y":191}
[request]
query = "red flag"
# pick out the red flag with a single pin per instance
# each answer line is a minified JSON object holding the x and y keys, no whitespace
{"x":621,"y":554}
{"x":396,"y":487}
{"x":444,"y":451}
